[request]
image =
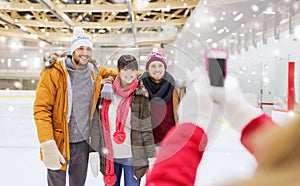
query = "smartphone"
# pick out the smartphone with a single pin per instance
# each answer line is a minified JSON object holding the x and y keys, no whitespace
{"x":216,"y":65}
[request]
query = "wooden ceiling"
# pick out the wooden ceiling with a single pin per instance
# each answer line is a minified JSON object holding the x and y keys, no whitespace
{"x":109,"y":23}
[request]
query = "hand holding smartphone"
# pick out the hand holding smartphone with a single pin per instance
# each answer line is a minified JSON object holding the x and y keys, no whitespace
{"x":216,"y":65}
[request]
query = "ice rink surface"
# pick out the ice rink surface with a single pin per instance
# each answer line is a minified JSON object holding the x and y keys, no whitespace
{"x":224,"y":161}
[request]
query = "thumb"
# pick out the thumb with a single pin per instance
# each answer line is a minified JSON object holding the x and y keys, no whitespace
{"x":232,"y":87}
{"x":61,"y":158}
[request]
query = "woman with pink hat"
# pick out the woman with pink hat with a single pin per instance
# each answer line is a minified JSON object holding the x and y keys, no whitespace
{"x":164,"y":96}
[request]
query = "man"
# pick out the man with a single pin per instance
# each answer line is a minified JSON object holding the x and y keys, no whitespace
{"x":66,"y":96}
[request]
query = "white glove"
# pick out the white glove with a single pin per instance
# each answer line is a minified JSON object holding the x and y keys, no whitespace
{"x":95,"y":163}
{"x":197,"y":105}
{"x":107,"y":91}
{"x":151,"y":162}
{"x":179,"y":83}
{"x":52,"y":158}
{"x":238,"y":111}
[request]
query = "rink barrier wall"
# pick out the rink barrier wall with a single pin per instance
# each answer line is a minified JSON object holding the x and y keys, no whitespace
{"x":17,"y":93}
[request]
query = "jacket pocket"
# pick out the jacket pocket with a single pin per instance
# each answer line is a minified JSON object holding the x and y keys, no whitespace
{"x":59,"y":139}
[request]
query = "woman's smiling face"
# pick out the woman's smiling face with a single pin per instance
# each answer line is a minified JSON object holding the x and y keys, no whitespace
{"x":127,"y":76}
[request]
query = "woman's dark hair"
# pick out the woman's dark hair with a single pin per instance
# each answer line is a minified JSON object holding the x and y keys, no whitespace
{"x":128,"y":62}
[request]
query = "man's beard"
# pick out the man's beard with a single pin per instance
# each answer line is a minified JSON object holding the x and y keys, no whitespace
{"x":78,"y":63}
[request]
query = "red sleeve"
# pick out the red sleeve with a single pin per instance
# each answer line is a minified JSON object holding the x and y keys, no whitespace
{"x":178,"y":157}
{"x":252,"y":134}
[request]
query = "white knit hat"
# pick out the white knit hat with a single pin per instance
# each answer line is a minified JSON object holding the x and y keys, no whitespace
{"x":80,"y":39}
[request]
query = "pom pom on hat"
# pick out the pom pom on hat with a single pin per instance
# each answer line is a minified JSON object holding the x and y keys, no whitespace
{"x":80,"y":39}
{"x":156,"y":56}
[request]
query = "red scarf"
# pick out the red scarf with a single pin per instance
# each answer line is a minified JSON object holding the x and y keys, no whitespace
{"x":121,"y":116}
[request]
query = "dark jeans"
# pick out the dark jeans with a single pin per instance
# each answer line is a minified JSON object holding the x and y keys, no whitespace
{"x":77,"y":167}
{"x":126,"y":164}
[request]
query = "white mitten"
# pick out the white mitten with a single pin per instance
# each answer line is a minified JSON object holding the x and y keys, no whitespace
{"x":95,"y":163}
{"x":52,"y":158}
{"x":107,"y":91}
{"x":151,"y":162}
{"x":238,"y":111}
{"x":179,"y":83}
{"x":197,"y":105}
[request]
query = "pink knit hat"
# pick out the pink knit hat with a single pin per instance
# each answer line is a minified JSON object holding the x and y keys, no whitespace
{"x":155,"y":56}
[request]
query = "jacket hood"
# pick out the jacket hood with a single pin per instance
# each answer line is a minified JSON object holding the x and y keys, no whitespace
{"x":51,"y":59}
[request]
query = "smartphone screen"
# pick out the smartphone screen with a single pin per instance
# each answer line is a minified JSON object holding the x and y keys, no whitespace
{"x":217,"y":71}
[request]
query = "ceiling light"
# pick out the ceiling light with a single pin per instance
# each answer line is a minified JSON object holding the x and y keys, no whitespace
{"x":42,"y":44}
{"x":167,"y":9}
{"x":28,"y":16}
{"x":238,"y":17}
{"x":197,"y":25}
{"x":23,"y":63}
{"x":214,"y":45}
{"x":276,"y":52}
{"x":269,"y":12}
{"x":209,"y":40}
{"x":220,"y":31}
{"x":255,"y":8}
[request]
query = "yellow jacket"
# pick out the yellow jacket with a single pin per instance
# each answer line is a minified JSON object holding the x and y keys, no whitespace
{"x":51,"y":104}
